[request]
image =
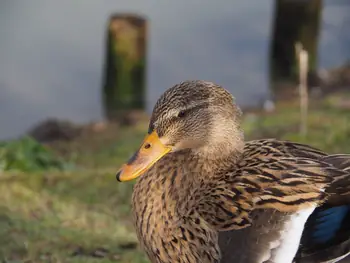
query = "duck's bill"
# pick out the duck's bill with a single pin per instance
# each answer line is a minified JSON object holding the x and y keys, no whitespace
{"x":151,"y":150}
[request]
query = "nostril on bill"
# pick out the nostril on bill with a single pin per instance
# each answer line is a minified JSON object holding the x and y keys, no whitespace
{"x":147,"y":146}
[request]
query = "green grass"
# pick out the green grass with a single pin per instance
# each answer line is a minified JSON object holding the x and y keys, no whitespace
{"x":328,"y":128}
{"x":70,"y":215}
{"x":54,"y":215}
{"x":26,"y":154}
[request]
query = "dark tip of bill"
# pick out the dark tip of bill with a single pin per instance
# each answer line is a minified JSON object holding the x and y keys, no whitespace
{"x":118,"y":175}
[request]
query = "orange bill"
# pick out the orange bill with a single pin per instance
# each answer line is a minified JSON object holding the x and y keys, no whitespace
{"x":151,"y":150}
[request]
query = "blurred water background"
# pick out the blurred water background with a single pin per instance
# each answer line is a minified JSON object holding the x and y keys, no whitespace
{"x":52,"y":52}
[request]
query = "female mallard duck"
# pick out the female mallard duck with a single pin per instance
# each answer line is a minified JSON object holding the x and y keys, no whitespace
{"x":204,"y":195}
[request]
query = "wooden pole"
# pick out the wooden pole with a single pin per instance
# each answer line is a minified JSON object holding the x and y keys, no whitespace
{"x":303,"y":57}
{"x":294,"y":21}
{"x":125,"y":65}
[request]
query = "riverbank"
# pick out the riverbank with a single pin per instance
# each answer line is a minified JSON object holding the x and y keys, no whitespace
{"x":82,"y":214}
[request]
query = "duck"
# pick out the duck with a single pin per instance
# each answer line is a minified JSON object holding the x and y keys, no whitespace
{"x":204,"y":194}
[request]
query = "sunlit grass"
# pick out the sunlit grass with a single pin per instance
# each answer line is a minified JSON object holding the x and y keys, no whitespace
{"x":52,"y":215}
{"x":69,"y":216}
{"x":328,"y":128}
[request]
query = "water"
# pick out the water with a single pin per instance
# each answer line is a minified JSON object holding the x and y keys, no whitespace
{"x":51,"y":52}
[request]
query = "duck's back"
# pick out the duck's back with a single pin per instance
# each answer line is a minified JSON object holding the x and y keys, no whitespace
{"x":312,"y":235}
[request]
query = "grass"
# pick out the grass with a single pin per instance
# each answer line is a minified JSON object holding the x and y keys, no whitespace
{"x":26,"y":154}
{"x":44,"y":216}
{"x":83,"y":214}
{"x":328,"y":128}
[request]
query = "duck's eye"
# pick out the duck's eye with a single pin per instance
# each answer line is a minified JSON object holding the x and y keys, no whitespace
{"x":181,"y":114}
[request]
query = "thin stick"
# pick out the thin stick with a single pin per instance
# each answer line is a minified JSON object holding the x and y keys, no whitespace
{"x":303,"y":57}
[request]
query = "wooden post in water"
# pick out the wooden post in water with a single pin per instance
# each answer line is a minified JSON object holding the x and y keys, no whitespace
{"x":294,"y":21}
{"x":125,"y":65}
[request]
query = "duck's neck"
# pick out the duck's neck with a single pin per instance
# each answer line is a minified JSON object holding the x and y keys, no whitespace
{"x":220,"y":155}
{"x":225,"y":142}
{"x":168,"y":183}
{"x":162,"y":199}
{"x":165,"y":196}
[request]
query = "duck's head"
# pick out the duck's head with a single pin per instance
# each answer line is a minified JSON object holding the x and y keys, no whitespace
{"x":196,"y":116}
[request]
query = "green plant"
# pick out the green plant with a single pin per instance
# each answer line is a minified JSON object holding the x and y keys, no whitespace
{"x":26,"y":154}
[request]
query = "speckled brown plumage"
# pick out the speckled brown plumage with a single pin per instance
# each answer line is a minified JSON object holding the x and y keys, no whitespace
{"x":214,"y":183}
